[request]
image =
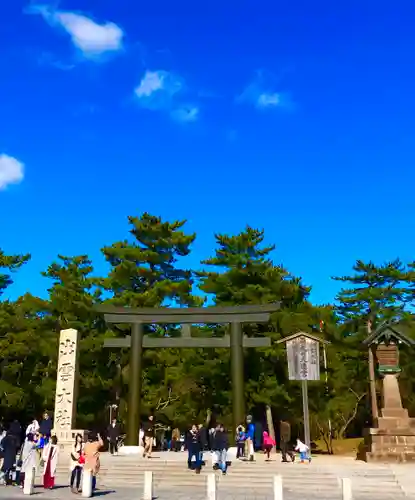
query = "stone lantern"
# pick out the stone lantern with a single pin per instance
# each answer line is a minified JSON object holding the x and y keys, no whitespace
{"x":393,"y":439}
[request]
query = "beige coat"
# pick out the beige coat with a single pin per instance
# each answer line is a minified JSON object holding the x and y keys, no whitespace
{"x":91,"y":452}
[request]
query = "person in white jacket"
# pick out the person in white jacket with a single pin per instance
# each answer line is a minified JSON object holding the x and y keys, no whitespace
{"x":29,"y":458}
{"x":303,"y":449}
{"x":50,"y":456}
{"x":32,"y":428}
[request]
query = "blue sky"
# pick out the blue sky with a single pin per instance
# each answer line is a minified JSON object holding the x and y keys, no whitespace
{"x":296,"y":117}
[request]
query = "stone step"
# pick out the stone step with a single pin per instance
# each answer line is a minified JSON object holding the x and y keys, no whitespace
{"x":232,"y":481}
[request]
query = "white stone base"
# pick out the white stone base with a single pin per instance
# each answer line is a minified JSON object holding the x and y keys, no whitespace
{"x":231,"y":453}
{"x":131,"y":450}
{"x":29,"y":482}
{"x":87,"y":484}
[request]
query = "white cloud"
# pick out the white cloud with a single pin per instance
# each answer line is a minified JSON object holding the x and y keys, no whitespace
{"x":261,"y":93}
{"x":162,"y":91}
{"x":11,"y":171}
{"x":186,"y":114}
{"x":269,"y":100}
{"x":157,"y":89}
{"x":151,"y":82}
{"x":91,"y":38}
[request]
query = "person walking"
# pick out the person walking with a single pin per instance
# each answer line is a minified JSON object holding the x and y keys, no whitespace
{"x":285,"y":441}
{"x":45,"y":428}
{"x":32,"y":428}
{"x":168,"y":439}
{"x":15,"y":430}
{"x":194,"y":448}
{"x":113,"y":434}
{"x":77,"y":463}
{"x":269,"y":443}
{"x":50,"y":458}
{"x":29,"y":458}
{"x":91,"y":453}
{"x":220,"y":447}
{"x":9,"y":457}
{"x":303,"y":450}
{"x":240,"y":441}
{"x":148,"y":436}
{"x":175,"y":440}
{"x":250,"y":438}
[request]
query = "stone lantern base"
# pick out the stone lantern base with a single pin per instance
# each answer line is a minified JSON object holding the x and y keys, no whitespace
{"x":393,"y":440}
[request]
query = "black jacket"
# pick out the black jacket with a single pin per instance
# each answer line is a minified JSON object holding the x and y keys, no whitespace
{"x":204,"y":437}
{"x":113,"y":433}
{"x":45,"y":427}
{"x":9,"y":445}
{"x":148,"y":429}
{"x":15,"y":430}
{"x":193,"y":440}
{"x":220,"y":441}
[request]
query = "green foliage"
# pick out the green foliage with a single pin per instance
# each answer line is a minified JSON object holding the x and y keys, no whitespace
{"x":10,"y":263}
{"x":378,"y":293}
{"x":143,"y":271}
{"x":148,"y":269}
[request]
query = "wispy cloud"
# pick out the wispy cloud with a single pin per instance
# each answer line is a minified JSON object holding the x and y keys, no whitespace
{"x":263,"y":94}
{"x":48,"y":59}
{"x":157,"y":89}
{"x":165,"y":91}
{"x":185,"y":114}
{"x":11,"y":171}
{"x":92,"y":39}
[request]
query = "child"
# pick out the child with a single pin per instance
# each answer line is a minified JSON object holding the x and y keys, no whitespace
{"x":240,"y":441}
{"x":303,"y":450}
{"x":269,"y":443}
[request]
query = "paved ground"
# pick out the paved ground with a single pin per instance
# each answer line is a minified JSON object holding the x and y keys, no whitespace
{"x":184,"y":493}
{"x":12,"y":493}
{"x":316,"y":482}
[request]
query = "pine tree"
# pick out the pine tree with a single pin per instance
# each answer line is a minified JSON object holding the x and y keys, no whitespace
{"x":145,"y":272}
{"x":11,"y":263}
{"x":249,"y":276}
{"x":374,"y":293}
{"x":72,"y":299}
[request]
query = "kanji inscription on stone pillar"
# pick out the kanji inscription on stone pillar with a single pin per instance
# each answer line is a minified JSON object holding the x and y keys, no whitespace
{"x":66,"y":381}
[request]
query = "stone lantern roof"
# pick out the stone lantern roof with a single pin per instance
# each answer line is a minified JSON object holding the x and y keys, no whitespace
{"x":387,"y":333}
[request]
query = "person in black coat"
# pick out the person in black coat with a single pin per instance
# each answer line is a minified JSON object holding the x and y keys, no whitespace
{"x":194,"y":447}
{"x":220,"y":447}
{"x":46,"y":426}
{"x":113,"y":434}
{"x":9,"y":456}
{"x":15,"y":430}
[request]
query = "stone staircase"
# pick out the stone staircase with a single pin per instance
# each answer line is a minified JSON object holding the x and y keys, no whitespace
{"x":321,"y":478}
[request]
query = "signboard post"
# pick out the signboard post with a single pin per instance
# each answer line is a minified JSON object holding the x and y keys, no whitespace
{"x":303,"y":356}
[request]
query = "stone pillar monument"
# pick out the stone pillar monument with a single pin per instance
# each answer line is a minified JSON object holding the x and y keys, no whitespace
{"x":392,"y":439}
{"x":66,"y":388}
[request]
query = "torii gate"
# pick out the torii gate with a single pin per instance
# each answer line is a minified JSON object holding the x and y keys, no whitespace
{"x":235,"y":315}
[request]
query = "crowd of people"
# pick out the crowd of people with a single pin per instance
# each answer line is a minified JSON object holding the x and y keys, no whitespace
{"x":202,"y":438}
{"x":39,"y":452}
